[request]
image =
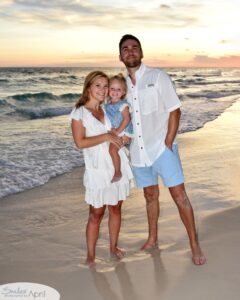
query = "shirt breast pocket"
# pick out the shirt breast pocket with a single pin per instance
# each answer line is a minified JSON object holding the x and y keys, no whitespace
{"x":148,"y":99}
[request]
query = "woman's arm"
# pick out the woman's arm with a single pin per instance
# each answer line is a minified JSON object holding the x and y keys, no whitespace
{"x":81,"y":141}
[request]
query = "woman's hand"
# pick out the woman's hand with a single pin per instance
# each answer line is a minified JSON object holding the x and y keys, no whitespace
{"x":114,"y":139}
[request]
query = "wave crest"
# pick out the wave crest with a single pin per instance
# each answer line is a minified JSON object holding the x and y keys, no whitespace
{"x":40,"y":113}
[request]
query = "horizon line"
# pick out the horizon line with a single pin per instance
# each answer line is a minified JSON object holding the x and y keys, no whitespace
{"x":102,"y":66}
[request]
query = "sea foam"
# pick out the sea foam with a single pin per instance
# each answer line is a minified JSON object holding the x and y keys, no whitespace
{"x":35,"y":135}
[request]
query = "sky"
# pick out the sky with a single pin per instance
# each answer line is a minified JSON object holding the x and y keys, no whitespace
{"x":178,"y":33}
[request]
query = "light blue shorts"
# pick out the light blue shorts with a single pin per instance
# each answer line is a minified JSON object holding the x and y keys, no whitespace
{"x":167,"y":166}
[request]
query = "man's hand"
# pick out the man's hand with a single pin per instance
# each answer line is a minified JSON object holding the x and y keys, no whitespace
{"x":173,"y":124}
{"x":168,"y":144}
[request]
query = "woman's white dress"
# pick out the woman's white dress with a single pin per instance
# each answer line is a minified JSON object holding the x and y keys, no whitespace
{"x":99,"y":167}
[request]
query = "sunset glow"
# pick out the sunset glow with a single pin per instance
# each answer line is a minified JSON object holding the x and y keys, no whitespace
{"x":86,"y":33}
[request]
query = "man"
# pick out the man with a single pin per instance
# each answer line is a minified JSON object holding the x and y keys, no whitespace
{"x":156,"y":114}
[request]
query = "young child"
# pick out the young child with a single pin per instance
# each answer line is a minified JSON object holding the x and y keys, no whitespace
{"x":118,"y":112}
{"x":91,"y":132}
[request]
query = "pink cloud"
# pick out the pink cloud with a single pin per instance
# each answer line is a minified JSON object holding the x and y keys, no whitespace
{"x":222,"y":61}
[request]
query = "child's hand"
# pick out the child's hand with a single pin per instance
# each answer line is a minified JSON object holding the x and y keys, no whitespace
{"x":114,"y":130}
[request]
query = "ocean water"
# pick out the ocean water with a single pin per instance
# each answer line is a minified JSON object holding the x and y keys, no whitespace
{"x":35,"y":136}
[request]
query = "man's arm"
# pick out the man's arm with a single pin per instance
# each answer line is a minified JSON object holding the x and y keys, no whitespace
{"x":173,"y":124}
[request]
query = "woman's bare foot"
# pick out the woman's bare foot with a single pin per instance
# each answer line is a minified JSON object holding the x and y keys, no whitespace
{"x":90,"y":261}
{"x":116,"y":177}
{"x":118,"y":253}
{"x":198,"y":257}
{"x":149,"y":246}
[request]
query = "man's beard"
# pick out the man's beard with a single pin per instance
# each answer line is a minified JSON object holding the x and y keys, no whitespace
{"x":133,"y":63}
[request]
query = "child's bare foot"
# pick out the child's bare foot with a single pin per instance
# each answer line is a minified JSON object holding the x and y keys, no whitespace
{"x":118,"y":253}
{"x":198,"y":257}
{"x":116,"y":177}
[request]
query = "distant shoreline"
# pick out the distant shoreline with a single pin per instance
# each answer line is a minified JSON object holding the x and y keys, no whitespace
{"x":113,"y":67}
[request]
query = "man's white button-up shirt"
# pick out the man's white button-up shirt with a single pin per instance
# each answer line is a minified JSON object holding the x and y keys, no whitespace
{"x":152,"y":98}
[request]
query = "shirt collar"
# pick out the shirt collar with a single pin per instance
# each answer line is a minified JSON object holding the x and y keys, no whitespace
{"x":139,"y":72}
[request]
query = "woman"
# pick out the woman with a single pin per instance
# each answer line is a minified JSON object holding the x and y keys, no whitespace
{"x":91,"y":132}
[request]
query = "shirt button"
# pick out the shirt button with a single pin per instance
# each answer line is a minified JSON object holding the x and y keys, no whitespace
{"x":139,"y":136}
{"x":141,"y":147}
{"x":137,"y":123}
{"x":136,"y":110}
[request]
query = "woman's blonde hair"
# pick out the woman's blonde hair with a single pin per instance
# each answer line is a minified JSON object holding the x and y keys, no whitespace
{"x":90,"y":78}
{"x":122,"y":80}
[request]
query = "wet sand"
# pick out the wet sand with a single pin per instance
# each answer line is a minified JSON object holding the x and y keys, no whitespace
{"x":43,"y":240}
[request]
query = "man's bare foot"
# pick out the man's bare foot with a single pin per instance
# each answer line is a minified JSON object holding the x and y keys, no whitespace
{"x":90,"y":261}
{"x":198,"y":257}
{"x":149,"y":246}
{"x":116,"y":177}
{"x":118,"y":253}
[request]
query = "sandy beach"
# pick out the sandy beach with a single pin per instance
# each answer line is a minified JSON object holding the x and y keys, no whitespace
{"x":43,"y":231}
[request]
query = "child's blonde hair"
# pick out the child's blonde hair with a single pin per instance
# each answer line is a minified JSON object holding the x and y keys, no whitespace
{"x":122,"y":80}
